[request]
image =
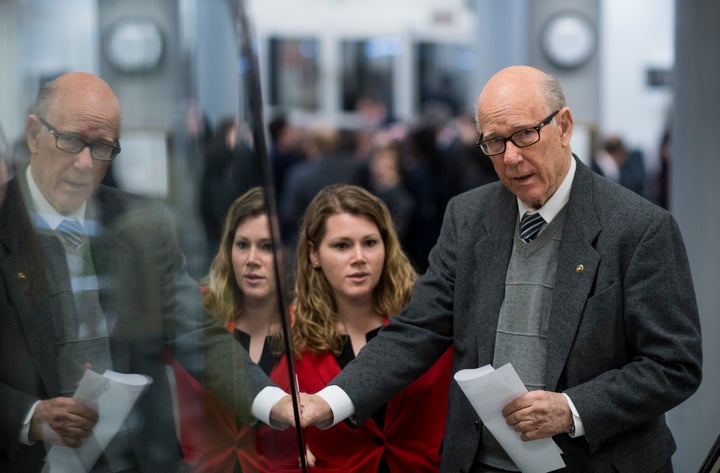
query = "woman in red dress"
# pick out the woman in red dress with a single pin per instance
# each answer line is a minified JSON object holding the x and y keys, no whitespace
{"x":242,"y":292}
{"x":352,"y":276}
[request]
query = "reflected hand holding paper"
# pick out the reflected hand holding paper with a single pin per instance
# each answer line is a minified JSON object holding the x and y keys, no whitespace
{"x":114,"y":394}
{"x":62,"y":421}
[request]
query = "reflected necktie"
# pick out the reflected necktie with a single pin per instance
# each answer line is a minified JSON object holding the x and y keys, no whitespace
{"x":530,"y":226}
{"x":71,"y":231}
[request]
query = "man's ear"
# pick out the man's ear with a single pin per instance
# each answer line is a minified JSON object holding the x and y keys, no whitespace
{"x":566,"y":123}
{"x":33,"y":128}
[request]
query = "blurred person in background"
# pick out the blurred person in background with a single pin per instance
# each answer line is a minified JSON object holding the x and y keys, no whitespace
{"x":420,"y":160}
{"x":463,"y":165}
{"x":385,"y":181}
{"x":285,"y":150}
{"x":229,"y":169}
{"x":330,"y":159}
{"x":619,"y":164}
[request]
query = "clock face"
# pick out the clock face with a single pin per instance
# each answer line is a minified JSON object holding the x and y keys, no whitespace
{"x":568,"y":40}
{"x":134,"y":45}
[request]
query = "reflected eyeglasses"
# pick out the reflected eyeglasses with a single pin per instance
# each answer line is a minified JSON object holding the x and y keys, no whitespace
{"x":74,"y":145}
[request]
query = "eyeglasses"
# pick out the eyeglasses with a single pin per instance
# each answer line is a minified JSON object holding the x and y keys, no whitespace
{"x":73,"y":145}
{"x":521,"y":138}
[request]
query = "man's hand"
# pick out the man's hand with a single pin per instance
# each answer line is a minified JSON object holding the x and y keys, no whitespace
{"x":314,"y":411}
{"x":539,"y":414}
{"x":62,"y":421}
{"x":281,"y":414}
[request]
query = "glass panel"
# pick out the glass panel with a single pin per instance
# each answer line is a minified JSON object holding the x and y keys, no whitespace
{"x":126,"y":285}
{"x":294,"y":76}
{"x":367,"y":73}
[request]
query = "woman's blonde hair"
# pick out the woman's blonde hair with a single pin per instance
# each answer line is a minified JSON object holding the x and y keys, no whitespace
{"x":314,"y":309}
{"x":224,"y":297}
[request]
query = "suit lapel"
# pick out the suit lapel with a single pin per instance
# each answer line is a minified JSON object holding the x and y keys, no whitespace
{"x":576,"y":268}
{"x":492,"y":256}
{"x":24,"y":272}
{"x":107,"y":250}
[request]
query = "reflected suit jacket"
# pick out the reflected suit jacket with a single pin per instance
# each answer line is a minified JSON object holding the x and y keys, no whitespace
{"x":149,"y":302}
{"x":624,"y":337}
{"x":213,"y":442}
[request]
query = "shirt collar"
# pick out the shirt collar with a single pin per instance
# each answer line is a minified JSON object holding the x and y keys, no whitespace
{"x":557,"y":201}
{"x":43,"y":208}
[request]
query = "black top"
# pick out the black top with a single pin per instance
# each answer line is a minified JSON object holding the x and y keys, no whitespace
{"x":267,"y":360}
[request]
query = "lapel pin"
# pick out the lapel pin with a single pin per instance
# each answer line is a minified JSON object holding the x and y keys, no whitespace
{"x":21,"y":276}
{"x":579,"y":268}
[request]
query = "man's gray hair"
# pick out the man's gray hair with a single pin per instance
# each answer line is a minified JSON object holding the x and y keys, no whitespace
{"x":44,"y":99}
{"x":553,"y":93}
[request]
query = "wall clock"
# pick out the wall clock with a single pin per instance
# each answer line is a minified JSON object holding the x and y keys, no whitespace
{"x":134,"y":45}
{"x":568,"y":40}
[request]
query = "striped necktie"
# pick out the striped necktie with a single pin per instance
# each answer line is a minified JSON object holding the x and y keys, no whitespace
{"x":71,"y":232}
{"x":530,"y":226}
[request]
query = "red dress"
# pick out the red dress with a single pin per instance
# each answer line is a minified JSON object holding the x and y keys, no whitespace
{"x":213,"y":442}
{"x":410,"y":437}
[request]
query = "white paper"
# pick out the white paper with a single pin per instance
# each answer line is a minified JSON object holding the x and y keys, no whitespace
{"x":489,"y":391}
{"x":113,"y":395}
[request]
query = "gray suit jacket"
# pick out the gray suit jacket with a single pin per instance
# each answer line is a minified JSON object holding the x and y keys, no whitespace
{"x":624,"y":342}
{"x":152,"y":308}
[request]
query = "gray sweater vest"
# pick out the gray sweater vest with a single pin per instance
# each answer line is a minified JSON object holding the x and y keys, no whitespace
{"x":521,"y":336}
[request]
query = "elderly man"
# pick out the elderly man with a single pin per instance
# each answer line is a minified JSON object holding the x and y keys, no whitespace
{"x":591,"y":301}
{"x":92,"y":277}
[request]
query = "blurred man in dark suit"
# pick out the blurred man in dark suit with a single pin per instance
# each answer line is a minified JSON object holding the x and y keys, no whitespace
{"x":92,"y":277}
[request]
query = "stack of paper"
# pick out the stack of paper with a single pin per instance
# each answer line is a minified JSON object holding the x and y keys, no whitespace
{"x":489,"y":391}
{"x":113,"y":395}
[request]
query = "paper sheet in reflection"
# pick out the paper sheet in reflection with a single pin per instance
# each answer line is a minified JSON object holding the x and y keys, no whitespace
{"x":113,"y":395}
{"x":488,"y":391}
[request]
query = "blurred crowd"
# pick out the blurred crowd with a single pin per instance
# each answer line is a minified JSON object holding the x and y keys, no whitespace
{"x":415,"y":169}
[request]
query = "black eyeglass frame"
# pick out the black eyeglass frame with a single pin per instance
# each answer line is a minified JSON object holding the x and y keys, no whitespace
{"x":115,"y":149}
{"x":537,"y":129}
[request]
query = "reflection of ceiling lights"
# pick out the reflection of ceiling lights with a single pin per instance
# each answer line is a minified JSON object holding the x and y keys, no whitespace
{"x":382,"y":47}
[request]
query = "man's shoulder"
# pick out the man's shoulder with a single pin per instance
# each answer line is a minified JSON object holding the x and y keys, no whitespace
{"x":618,"y":211}
{"x":493,"y":190}
{"x":114,"y":195}
{"x":492,"y":196}
{"x":115,"y":201}
{"x":14,"y":218}
{"x":119,"y":207}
